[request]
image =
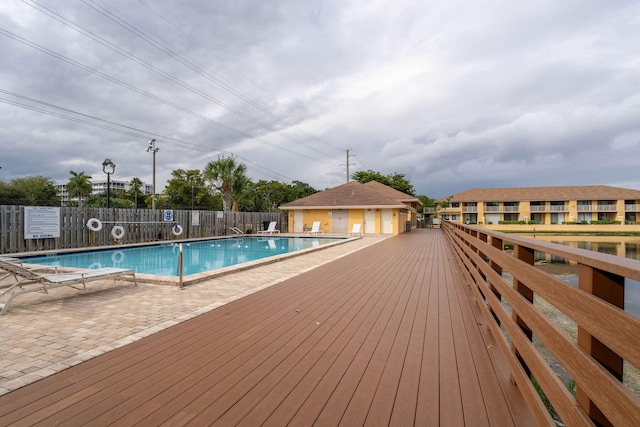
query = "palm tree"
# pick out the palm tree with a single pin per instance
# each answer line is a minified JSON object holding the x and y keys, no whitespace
{"x":227,"y":177}
{"x":79,"y":186}
{"x":134,"y":186}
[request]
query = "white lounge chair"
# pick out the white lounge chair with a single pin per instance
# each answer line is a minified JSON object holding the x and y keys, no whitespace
{"x":29,"y":280}
{"x":355,"y":231}
{"x":315,"y":228}
{"x":271,"y":229}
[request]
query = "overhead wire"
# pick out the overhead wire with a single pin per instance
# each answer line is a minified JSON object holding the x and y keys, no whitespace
{"x":178,"y":29}
{"x":122,"y":21}
{"x":127,"y":130}
{"x":142,"y":92}
{"x":166,"y":75}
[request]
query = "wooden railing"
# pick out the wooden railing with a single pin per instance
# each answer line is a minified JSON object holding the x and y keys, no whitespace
{"x":506,"y":286}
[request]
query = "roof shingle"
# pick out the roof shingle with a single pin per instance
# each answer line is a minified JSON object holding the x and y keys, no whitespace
{"x":354,"y":194}
{"x":587,"y":192}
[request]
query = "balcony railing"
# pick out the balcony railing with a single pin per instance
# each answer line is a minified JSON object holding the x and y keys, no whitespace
{"x":585,"y":208}
{"x":631,"y":208}
{"x":538,"y":208}
{"x":492,"y":208}
{"x":470,"y":209}
{"x":512,"y":209}
{"x":558,"y":208}
{"x":607,"y":208}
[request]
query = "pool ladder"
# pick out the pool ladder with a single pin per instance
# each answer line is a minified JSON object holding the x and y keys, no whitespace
{"x":236,"y":230}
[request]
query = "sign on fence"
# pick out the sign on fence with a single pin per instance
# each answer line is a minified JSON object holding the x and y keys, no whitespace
{"x":41,"y":222}
{"x":168,"y":215}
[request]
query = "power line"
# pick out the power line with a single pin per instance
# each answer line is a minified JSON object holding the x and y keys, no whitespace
{"x":126,"y":130}
{"x":153,"y":68}
{"x":121,"y":20}
{"x":141,"y":92}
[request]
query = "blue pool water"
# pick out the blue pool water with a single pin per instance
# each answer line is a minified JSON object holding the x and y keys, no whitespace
{"x":197,"y":257}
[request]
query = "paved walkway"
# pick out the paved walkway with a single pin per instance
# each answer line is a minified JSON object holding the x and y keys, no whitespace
{"x":44,"y":334}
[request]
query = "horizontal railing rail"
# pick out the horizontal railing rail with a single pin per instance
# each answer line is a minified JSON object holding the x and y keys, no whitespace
{"x":607,"y":208}
{"x":506,"y":286}
{"x":558,"y":208}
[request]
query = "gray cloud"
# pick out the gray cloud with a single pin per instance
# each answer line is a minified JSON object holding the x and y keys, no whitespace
{"x":454,"y":94}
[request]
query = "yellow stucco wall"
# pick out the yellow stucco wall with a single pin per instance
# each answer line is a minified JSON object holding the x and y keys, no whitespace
{"x":355,"y":216}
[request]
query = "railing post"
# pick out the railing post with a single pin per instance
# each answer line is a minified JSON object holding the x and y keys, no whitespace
{"x":498,"y":244}
{"x":484,"y":237}
{"x":608,"y":287}
{"x":526,"y":255}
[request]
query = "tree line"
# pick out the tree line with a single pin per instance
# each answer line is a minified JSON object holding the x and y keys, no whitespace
{"x":221,"y":185}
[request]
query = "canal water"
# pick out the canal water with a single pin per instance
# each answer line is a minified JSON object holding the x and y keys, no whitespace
{"x":622,"y":246}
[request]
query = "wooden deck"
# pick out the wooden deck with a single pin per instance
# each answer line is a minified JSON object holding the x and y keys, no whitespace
{"x":385,"y":336}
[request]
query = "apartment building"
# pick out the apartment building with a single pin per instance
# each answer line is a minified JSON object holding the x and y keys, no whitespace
{"x":544,"y":205}
{"x":100,"y":186}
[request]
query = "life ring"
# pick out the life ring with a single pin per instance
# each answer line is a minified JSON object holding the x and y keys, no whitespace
{"x":117,"y":232}
{"x":94,"y":224}
{"x":117,"y":257}
{"x":176,"y":230}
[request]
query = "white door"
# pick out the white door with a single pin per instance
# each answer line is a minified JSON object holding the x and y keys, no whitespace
{"x":492,"y":218}
{"x":298,"y":224}
{"x":387,"y":221}
{"x":369,"y":222}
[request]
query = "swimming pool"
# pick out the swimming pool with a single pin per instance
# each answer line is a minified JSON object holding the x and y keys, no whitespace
{"x":198,"y":257}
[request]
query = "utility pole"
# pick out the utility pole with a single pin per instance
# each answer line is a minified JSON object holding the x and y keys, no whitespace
{"x":348,"y":164}
{"x":152,"y":149}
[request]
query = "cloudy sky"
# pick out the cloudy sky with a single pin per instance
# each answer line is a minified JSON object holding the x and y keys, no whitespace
{"x":453,"y":94}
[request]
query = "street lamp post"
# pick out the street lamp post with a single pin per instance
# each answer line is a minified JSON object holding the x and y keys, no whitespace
{"x":108,"y":164}
{"x":152,"y":148}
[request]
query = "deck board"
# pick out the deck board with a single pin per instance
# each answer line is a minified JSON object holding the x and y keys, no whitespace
{"x":388,"y":335}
